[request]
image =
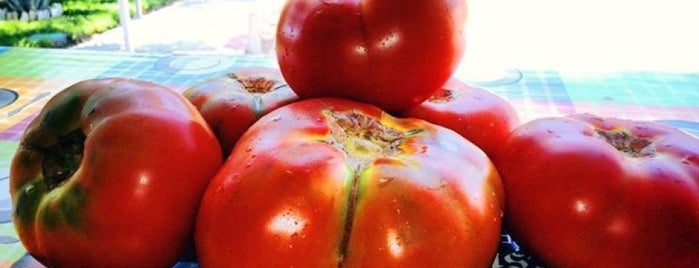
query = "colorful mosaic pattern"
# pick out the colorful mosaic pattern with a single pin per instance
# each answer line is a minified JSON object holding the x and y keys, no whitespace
{"x":37,"y":74}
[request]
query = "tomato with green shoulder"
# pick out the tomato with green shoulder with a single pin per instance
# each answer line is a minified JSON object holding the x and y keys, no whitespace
{"x":110,"y":174}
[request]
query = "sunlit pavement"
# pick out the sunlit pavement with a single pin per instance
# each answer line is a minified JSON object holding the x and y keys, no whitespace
{"x":196,"y":27}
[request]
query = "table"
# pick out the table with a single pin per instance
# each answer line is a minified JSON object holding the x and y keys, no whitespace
{"x":29,"y":77}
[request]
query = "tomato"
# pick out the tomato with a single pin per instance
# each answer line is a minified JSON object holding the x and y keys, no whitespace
{"x":336,"y":183}
{"x":231,"y":103}
{"x":589,"y":191}
{"x":110,"y":174}
{"x":389,"y":53}
{"x":478,"y":114}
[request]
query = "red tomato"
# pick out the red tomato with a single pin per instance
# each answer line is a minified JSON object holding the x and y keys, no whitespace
{"x":587,"y":191}
{"x":478,"y":114}
{"x":110,"y":174}
{"x":231,"y":103}
{"x":390,"y":53}
{"x":336,"y":183}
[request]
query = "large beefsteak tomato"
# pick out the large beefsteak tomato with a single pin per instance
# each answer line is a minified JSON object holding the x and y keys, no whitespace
{"x":390,"y":53}
{"x":231,"y":103}
{"x":336,"y":183}
{"x":478,"y":114}
{"x":110,"y":174}
{"x":588,"y":191}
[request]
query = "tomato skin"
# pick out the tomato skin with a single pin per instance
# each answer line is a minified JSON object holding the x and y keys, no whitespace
{"x":289,"y":195}
{"x":577,"y":201}
{"x":389,"y":53}
{"x":132,"y":201}
{"x":478,"y":114}
{"x":231,"y":103}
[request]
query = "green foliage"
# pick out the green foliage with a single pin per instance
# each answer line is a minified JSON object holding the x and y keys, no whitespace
{"x":80,"y":20}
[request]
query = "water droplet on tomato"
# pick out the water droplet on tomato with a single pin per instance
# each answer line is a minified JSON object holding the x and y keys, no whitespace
{"x":360,"y":50}
{"x":385,"y":181}
{"x":686,"y":161}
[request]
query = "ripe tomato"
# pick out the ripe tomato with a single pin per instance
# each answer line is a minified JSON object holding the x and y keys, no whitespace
{"x":110,"y":174}
{"x":332,"y":182}
{"x":478,"y":114}
{"x":231,"y":103}
{"x":390,"y":53}
{"x":587,"y":191}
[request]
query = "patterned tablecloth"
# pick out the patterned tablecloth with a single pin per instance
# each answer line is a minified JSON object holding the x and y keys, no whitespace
{"x":29,"y":77}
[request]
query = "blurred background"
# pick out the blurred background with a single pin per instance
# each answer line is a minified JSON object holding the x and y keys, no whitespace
{"x":596,"y":34}
{"x":581,"y":34}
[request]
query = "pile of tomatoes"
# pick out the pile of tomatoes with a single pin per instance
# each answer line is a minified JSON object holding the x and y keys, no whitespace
{"x":361,"y":150}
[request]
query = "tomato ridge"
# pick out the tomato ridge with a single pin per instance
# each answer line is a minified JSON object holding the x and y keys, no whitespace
{"x":363,"y":139}
{"x":349,"y":218}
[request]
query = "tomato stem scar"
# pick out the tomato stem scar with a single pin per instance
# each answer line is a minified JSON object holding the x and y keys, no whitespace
{"x":259,"y":84}
{"x":627,"y":143}
{"x":362,"y":137}
{"x":442,"y":95}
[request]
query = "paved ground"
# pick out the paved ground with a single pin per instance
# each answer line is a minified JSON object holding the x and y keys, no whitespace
{"x":197,"y":27}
